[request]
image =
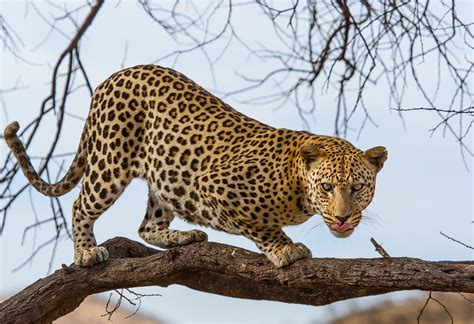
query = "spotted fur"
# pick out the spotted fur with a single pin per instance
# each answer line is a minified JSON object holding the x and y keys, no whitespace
{"x":207,"y":164}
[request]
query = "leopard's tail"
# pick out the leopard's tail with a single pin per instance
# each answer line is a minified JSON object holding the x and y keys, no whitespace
{"x":70,"y":179}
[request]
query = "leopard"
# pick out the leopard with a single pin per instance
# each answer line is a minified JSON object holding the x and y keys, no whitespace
{"x":206,"y":163}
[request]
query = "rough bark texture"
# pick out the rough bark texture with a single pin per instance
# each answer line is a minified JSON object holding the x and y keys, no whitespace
{"x":231,"y":271}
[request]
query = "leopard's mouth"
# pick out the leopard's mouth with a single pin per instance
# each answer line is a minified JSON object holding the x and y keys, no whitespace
{"x":341,"y":230}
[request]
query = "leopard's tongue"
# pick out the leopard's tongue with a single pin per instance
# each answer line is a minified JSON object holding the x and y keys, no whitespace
{"x":341,"y":227}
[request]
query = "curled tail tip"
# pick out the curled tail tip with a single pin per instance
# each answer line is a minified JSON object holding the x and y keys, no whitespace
{"x":11,"y":130}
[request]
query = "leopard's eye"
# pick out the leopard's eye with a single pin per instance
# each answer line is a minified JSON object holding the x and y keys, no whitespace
{"x":357,"y":187}
{"x":327,"y":186}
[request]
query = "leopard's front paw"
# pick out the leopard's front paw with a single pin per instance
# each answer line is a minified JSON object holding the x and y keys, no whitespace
{"x":288,"y":254}
{"x":89,"y":257}
{"x":188,"y":237}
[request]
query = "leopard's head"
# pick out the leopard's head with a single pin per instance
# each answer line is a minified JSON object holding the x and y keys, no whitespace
{"x":340,"y":181}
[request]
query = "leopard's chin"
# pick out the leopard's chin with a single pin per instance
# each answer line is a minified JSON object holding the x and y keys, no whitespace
{"x":342,"y":234}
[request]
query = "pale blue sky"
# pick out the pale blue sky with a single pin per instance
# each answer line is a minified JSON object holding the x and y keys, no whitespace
{"x":422,"y":190}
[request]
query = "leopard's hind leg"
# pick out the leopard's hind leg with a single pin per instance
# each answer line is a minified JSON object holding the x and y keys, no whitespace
{"x":155,"y":227}
{"x":95,"y":198}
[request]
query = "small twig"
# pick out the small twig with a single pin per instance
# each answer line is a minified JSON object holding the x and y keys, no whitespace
{"x":454,"y":240}
{"x":466,"y":299}
{"x":439,"y":303}
{"x":423,"y":308}
{"x":138,"y":297}
{"x":109,"y":313}
{"x":445,"y":309}
{"x":379,"y":248}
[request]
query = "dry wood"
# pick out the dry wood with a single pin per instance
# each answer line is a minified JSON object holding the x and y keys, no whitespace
{"x":231,"y":271}
{"x":379,"y":248}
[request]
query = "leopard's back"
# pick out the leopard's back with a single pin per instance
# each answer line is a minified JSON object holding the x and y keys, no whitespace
{"x":155,"y":123}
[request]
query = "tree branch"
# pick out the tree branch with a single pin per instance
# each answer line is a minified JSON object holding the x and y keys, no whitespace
{"x":231,"y":271}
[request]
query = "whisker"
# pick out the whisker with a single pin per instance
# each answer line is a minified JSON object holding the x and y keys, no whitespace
{"x":370,"y":214}
{"x":370,"y":218}
{"x":318,"y":224}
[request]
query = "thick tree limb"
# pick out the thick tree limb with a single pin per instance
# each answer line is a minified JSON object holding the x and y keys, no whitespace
{"x":231,"y":271}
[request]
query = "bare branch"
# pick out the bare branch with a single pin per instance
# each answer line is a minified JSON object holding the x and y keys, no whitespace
{"x":9,"y":39}
{"x":53,"y":103}
{"x":136,"y":298}
{"x":342,"y":45}
{"x":454,"y":240}
{"x":430,"y":297}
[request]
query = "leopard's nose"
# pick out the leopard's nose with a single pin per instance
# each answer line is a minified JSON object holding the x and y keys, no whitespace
{"x":342,"y":219}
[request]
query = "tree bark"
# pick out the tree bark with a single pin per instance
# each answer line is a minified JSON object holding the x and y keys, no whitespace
{"x":231,"y":271}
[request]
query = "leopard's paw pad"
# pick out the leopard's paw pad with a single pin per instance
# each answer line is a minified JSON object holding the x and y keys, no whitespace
{"x":91,"y":256}
{"x":288,"y":254}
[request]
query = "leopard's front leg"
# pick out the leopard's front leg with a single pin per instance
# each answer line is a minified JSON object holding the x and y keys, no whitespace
{"x":278,"y":247}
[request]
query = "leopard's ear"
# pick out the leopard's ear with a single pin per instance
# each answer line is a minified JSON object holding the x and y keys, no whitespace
{"x":376,"y":156}
{"x":310,"y":153}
